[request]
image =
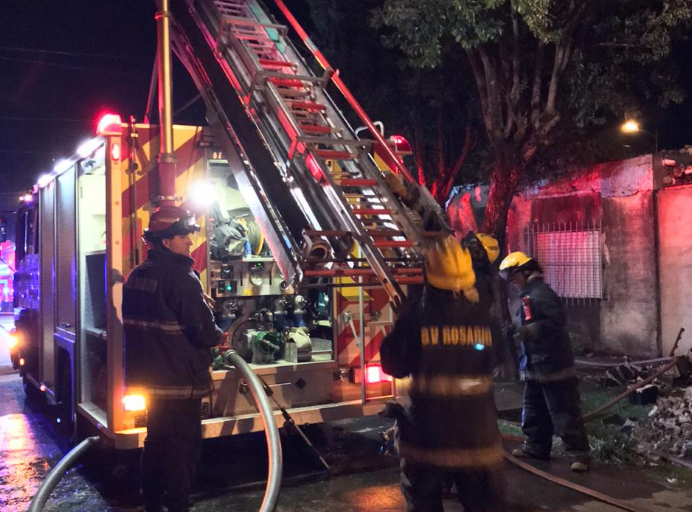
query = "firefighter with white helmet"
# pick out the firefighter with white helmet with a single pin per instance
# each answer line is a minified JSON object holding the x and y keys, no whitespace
{"x":169,"y":331}
{"x":444,"y":342}
{"x":551,"y":397}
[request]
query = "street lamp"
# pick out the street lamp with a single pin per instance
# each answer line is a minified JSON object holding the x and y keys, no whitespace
{"x":632,"y":126}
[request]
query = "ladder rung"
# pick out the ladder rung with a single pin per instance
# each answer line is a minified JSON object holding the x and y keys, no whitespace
{"x":289,"y":94}
{"x":332,"y":154}
{"x":410,"y":280}
{"x":375,"y":233}
{"x":371,"y":211}
{"x":313,"y":128}
{"x":357,"y":182}
{"x":356,"y":143}
{"x":339,"y":272}
{"x":275,"y":63}
{"x":384,"y":244}
{"x":286,"y":82}
{"x":252,"y":37}
{"x":289,"y":76}
{"x":403,"y":270}
{"x":250,"y":24}
{"x":346,"y":272}
{"x":307,"y":105}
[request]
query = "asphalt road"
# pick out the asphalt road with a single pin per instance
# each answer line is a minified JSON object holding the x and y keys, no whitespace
{"x":231,"y":470}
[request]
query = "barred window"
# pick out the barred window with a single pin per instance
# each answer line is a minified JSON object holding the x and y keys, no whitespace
{"x":570,"y":255}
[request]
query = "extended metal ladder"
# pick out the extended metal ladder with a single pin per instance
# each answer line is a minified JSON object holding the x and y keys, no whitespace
{"x":317,"y":158}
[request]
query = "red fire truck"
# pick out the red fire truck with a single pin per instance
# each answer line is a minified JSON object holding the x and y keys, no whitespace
{"x":303,"y":242}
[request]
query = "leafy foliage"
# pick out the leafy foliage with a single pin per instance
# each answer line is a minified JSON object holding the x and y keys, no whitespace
{"x":543,"y":69}
{"x":429,"y":106}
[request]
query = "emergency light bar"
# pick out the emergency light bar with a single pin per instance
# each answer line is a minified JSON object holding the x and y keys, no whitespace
{"x":109,"y":124}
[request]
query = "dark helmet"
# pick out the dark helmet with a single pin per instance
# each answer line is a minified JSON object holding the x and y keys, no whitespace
{"x":170,"y":221}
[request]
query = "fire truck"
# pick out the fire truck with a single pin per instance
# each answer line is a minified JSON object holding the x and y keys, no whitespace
{"x":309,"y":233}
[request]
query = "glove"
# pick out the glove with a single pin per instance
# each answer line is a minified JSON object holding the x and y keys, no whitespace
{"x":526,"y":333}
{"x":395,"y":184}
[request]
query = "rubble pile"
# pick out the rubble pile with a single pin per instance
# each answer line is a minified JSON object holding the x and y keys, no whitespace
{"x":668,"y":428}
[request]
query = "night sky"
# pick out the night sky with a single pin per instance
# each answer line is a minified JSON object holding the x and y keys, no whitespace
{"x":63,"y":62}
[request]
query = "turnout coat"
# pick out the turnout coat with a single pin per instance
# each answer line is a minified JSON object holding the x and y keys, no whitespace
{"x":445,"y":344}
{"x":169,"y":329}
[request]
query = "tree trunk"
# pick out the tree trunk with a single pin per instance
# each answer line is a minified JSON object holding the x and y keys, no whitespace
{"x":503,"y":185}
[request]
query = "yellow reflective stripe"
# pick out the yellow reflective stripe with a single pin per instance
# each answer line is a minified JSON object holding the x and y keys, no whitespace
{"x":459,"y":458}
{"x":178,"y":392}
{"x":452,"y":385}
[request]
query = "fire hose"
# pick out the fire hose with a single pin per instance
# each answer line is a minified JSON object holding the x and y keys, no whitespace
{"x":271,"y":494}
{"x":53,"y":478}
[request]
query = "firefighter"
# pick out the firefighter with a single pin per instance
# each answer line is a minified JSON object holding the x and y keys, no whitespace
{"x":169,"y":329}
{"x":444,"y":341}
{"x":551,"y":396}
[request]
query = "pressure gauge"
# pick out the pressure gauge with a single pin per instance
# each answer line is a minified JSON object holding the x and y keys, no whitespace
{"x":256,"y":278}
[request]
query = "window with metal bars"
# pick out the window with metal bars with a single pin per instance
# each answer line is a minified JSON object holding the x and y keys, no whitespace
{"x":570,"y":255}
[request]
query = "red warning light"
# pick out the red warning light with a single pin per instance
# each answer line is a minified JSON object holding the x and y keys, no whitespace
{"x":115,"y":151}
{"x":401,"y":145}
{"x":109,"y":124}
{"x":374,"y":374}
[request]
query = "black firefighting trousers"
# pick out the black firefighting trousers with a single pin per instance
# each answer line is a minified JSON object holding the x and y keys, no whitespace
{"x":478,"y":490}
{"x":171,"y":452}
{"x":553,"y":408}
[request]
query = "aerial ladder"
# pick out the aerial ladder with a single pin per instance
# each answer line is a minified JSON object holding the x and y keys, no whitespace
{"x":311,"y":183}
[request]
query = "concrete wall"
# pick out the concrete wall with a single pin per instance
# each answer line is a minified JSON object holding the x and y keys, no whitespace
{"x":675,"y":266}
{"x":629,"y":310}
{"x":619,"y":195}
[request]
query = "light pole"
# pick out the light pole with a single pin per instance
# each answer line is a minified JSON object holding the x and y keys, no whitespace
{"x":632,"y":126}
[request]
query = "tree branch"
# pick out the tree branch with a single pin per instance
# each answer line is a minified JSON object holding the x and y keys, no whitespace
{"x":494,"y":97}
{"x":446,"y":184}
{"x":554,"y":80}
{"x":482,"y":89}
{"x":537,"y":85}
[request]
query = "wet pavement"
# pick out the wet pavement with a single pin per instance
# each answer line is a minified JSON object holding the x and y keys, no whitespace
{"x":231,"y":473}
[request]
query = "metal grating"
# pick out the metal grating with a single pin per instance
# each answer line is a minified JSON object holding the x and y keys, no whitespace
{"x":571,"y":257}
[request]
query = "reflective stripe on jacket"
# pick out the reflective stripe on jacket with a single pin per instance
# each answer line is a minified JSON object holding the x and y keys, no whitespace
{"x":169,"y":329}
{"x":446,"y":344}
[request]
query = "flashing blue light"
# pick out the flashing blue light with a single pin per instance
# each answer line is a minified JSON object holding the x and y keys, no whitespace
{"x":479,"y":346}
{"x":58,"y":420}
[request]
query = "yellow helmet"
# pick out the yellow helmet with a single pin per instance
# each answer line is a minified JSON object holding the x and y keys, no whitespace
{"x":513,"y":261}
{"x":491,"y":246}
{"x":448,"y":266}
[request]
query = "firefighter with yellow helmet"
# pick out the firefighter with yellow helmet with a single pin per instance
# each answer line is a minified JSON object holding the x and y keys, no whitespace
{"x":551,"y":397}
{"x":444,"y":342}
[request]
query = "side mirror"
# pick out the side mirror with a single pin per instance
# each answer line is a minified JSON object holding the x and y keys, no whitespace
{"x":3,"y":229}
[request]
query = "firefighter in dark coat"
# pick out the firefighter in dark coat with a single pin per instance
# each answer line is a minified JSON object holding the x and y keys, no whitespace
{"x":551,"y":396}
{"x":169,"y":330}
{"x":444,"y":342}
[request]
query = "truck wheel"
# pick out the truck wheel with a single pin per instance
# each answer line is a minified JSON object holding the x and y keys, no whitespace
{"x":33,"y":394}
